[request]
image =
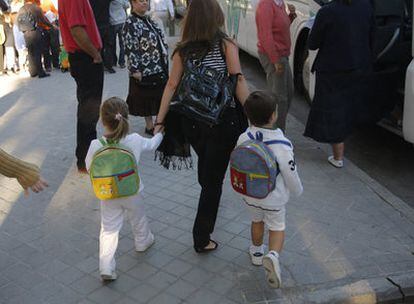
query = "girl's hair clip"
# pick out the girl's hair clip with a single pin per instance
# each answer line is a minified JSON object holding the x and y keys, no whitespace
{"x":118,"y":116}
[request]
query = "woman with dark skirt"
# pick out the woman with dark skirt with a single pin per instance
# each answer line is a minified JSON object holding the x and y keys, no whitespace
{"x":204,"y":44}
{"x":147,"y":59}
{"x":343,"y":35}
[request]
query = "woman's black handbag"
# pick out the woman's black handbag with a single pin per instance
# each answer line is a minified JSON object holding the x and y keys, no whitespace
{"x":203,"y":93}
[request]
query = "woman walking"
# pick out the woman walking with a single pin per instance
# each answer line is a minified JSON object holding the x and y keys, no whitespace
{"x":343,"y":34}
{"x":203,"y":41}
{"x":147,"y":55}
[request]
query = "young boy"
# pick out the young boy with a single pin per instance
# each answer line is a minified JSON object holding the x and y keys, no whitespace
{"x":261,"y":110}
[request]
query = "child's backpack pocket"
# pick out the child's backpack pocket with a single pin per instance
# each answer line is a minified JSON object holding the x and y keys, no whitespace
{"x":114,"y":172}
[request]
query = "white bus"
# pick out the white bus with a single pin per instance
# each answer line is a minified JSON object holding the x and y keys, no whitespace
{"x":394,"y":52}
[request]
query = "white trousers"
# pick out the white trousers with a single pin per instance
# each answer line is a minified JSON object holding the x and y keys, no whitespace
{"x":10,"y":58}
{"x":112,"y":217}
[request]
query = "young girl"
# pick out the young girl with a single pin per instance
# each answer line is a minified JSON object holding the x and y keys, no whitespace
{"x":114,"y":116}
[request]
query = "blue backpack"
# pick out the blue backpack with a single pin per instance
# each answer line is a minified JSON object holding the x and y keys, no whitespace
{"x":253,"y":166}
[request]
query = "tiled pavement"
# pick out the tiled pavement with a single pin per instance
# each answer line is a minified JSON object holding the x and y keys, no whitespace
{"x":339,"y":231}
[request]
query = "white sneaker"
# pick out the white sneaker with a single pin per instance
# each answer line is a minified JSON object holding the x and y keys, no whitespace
{"x":272,"y":268}
{"x":142,"y":248}
{"x":107,"y":275}
{"x":256,"y":256}
{"x":335,"y":163}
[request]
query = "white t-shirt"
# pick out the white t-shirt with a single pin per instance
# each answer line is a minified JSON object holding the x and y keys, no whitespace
{"x":287,"y":182}
{"x":162,"y":5}
{"x":135,"y":142}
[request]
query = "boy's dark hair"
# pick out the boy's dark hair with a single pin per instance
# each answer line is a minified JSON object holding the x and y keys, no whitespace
{"x":259,"y":107}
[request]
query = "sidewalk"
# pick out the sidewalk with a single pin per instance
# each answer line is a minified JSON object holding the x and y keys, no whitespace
{"x":345,"y":235}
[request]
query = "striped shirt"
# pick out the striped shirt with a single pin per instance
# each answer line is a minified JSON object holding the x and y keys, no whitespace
{"x":215,"y":59}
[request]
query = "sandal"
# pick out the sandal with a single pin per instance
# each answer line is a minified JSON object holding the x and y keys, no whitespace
{"x":203,"y":250}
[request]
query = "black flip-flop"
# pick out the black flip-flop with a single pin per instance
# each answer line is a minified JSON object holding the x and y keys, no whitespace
{"x":203,"y":250}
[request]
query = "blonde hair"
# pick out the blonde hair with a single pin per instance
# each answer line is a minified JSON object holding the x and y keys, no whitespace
{"x":114,"y":116}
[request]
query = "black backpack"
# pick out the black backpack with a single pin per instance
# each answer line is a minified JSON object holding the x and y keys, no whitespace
{"x":25,"y":20}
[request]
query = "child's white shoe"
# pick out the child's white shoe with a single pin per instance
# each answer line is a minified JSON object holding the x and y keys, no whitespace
{"x":272,"y":268}
{"x":256,"y":255}
{"x":107,"y":275}
{"x":144,"y":247}
{"x":335,"y":163}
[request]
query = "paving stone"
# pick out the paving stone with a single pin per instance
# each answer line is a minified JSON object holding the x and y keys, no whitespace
{"x":86,"y":285}
{"x":174,"y":249}
{"x":65,"y":296}
{"x":203,"y":296}
{"x":69,"y":275}
{"x":165,"y":299}
{"x":227,"y":253}
{"x":53,"y":268}
{"x":105,"y":295}
{"x":142,"y":271}
{"x":159,"y":259}
{"x":240,"y":243}
{"x":6,"y":260}
{"x":10,"y":291}
{"x":88,"y":265}
{"x":171,"y":233}
{"x":198,"y":276}
{"x":126,"y":263}
{"x":144,"y":293}
{"x":178,"y":267}
{"x":123,"y":284}
{"x":161,"y":280}
{"x":24,"y":298}
{"x":182,"y":289}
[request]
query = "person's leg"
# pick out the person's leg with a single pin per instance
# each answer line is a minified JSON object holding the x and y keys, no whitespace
{"x":29,"y":39}
{"x":47,"y":57}
{"x":111,"y":223}
{"x":218,"y":145}
{"x":276,"y":240}
{"x":107,"y":55}
{"x":257,"y":231}
{"x":338,"y":151}
{"x":1,"y":58}
{"x":10,"y":58}
{"x":280,"y":85}
{"x":38,"y":48}
{"x":275,"y":220}
{"x":139,"y":223}
{"x":89,"y":80}
{"x":55,"y":47}
{"x":121,"y":58}
{"x":112,"y":45}
{"x":149,"y":123}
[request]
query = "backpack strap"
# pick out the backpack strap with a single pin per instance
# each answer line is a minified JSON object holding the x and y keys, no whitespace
{"x":102,"y":141}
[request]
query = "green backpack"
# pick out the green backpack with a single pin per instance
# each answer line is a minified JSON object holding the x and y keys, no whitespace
{"x":114,"y":171}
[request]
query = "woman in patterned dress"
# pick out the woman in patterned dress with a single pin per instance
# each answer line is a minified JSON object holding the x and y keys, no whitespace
{"x":147,"y":60}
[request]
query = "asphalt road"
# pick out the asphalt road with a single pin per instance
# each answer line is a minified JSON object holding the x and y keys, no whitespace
{"x":386,"y":157}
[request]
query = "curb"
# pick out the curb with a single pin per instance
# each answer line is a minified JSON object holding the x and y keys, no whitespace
{"x":393,"y":289}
